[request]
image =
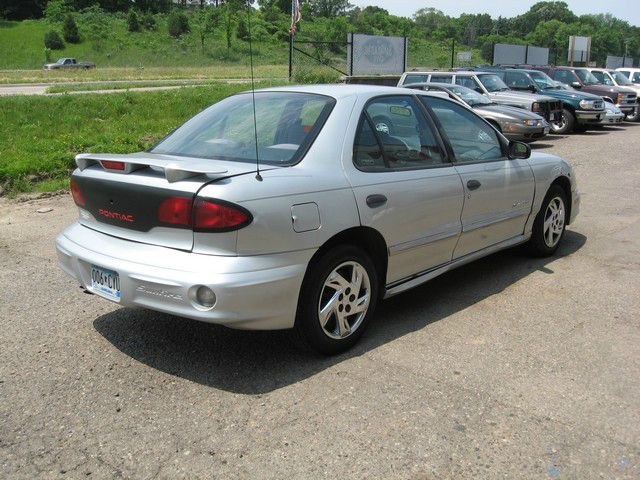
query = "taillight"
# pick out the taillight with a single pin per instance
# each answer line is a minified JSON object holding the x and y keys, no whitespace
{"x":110,"y":165}
{"x":76,"y":193}
{"x":219,"y":216}
{"x":204,"y":215}
{"x":175,"y":211}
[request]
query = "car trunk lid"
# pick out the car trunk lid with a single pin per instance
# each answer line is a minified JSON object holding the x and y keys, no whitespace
{"x":135,"y":196}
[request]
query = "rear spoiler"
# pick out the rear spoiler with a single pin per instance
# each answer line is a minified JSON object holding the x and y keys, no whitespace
{"x":175,"y":169}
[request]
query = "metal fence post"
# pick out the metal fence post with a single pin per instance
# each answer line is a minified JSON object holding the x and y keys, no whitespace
{"x":290,"y":55}
{"x":453,"y":50}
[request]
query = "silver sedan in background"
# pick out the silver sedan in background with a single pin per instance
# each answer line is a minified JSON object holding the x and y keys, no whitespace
{"x":362,"y":193}
{"x":515,"y":123}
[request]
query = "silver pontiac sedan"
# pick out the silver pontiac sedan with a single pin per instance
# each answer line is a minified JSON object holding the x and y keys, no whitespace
{"x":362,"y":193}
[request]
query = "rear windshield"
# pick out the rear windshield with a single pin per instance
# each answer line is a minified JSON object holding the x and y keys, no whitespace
{"x":287,"y":123}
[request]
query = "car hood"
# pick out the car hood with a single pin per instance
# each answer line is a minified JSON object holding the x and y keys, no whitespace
{"x":604,"y":89}
{"x":521,"y":96}
{"x":506,"y":112}
{"x":571,"y":95}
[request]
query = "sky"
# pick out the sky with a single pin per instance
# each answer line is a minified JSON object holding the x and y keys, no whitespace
{"x":628,"y":10}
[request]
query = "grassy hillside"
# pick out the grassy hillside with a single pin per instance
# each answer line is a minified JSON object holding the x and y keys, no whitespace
{"x":22,"y":47}
{"x":41,"y":135}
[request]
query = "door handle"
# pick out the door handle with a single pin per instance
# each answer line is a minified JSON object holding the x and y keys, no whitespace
{"x":377,"y":200}
{"x":473,"y":184}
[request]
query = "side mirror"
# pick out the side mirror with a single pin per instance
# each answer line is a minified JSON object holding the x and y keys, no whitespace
{"x":519,"y":150}
{"x":532,"y":88}
{"x":479,"y":90}
{"x":577,"y":85}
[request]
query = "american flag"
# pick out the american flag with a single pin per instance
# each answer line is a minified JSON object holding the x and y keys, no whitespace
{"x":295,"y":16}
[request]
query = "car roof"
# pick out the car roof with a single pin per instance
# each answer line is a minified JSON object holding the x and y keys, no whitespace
{"x":338,"y":90}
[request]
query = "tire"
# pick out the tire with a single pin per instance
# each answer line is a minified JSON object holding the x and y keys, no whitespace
{"x":331,"y":336}
{"x":566,"y":124}
{"x":544,"y":243}
{"x":633,"y":117}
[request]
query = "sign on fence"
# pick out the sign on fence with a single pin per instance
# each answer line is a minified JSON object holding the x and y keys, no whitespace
{"x":464,"y":56}
{"x":617,"y":62}
{"x":506,"y":54}
{"x":579,"y":49}
{"x":376,"y":55}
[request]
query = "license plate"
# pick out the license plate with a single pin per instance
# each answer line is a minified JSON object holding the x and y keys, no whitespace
{"x":105,"y":282}
{"x":546,"y":130}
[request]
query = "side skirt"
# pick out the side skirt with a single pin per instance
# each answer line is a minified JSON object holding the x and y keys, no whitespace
{"x":422,"y":277}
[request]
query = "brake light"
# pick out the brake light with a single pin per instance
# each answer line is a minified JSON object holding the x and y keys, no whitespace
{"x":110,"y":165}
{"x":620,"y":97}
{"x":219,"y":216}
{"x":76,"y":193}
{"x":175,"y":211}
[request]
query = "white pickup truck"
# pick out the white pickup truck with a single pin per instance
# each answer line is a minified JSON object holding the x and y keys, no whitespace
{"x":68,"y":63}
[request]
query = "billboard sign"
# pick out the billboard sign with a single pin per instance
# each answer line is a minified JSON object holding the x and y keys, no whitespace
{"x":506,"y":54}
{"x":376,"y":55}
{"x":579,"y":49}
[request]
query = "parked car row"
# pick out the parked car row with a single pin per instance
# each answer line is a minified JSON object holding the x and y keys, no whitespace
{"x":568,"y":99}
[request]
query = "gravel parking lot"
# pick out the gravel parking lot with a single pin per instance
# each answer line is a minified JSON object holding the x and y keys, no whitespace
{"x":510,"y":367}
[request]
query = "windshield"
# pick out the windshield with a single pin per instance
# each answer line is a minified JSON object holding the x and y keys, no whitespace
{"x":287,"y":124}
{"x":603,"y":78}
{"x":471,"y":97}
{"x":543,"y":81}
{"x":60,"y":60}
{"x":586,"y":76}
{"x":492,"y":83}
{"x":620,"y":78}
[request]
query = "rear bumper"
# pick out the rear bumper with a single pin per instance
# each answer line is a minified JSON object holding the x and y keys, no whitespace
{"x":590,"y":116}
{"x":252,"y":292}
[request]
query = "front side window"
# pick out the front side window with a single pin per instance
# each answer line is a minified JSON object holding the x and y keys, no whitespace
{"x":620,"y":78}
{"x":602,"y":78}
{"x":565,"y":76}
{"x":492,"y":83}
{"x":517,"y":80}
{"x":587,"y":77}
{"x":394,"y":134}
{"x":468,"y":82}
{"x":287,"y":123}
{"x":471,"y":138}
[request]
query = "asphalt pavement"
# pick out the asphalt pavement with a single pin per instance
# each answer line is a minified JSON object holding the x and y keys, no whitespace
{"x":510,"y":367}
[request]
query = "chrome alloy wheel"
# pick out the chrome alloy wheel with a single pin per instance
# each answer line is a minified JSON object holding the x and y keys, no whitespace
{"x":553,"y":222}
{"x":344,"y":300}
{"x":560,"y":124}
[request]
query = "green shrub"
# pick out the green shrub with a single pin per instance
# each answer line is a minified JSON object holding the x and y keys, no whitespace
{"x":53,"y":40}
{"x":132,"y":22}
{"x":70,"y":30}
{"x":177,"y":24}
{"x":319,"y":75}
{"x":149,"y":22}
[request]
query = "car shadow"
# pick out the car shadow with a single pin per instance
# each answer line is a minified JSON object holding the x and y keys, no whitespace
{"x":252,"y":363}
{"x":541,"y":146}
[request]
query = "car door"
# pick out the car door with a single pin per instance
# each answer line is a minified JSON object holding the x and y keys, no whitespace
{"x":404,"y":184}
{"x":498,"y":191}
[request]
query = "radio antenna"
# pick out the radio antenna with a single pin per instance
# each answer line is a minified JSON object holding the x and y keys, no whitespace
{"x":253,"y":92}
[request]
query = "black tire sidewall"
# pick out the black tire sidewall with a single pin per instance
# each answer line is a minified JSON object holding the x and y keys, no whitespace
{"x":307,"y":323}
{"x":537,"y":244}
{"x":570,"y":122}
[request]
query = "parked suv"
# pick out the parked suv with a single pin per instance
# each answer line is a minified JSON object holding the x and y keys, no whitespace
{"x":582,"y":79}
{"x":489,"y":84}
{"x":579,"y":109}
{"x":632,"y":74}
{"x":618,"y":79}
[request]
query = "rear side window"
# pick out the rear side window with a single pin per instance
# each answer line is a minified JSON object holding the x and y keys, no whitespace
{"x":565,"y":76}
{"x":394,"y":134}
{"x":441,"y":78}
{"x":415,"y":78}
{"x":471,"y":138}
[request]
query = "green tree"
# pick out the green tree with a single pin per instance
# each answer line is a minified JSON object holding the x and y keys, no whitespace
{"x":70,"y":30}
{"x":327,"y":8}
{"x":133,"y":25}
{"x":177,"y":23}
{"x":53,"y":40}
{"x":57,"y":10}
{"x":204,"y":23}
